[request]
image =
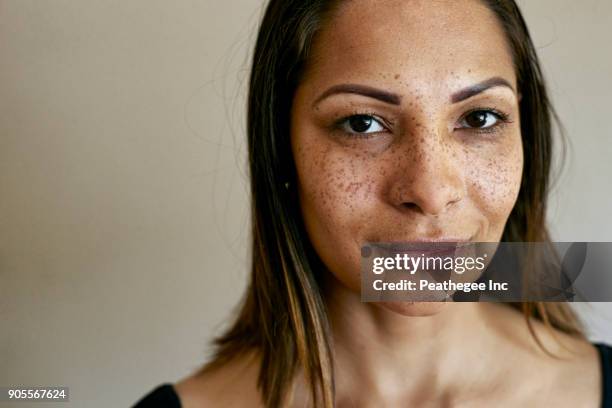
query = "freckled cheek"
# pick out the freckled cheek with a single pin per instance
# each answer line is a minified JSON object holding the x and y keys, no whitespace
{"x":336,"y":189}
{"x":494,"y":183}
{"x":336,"y":196}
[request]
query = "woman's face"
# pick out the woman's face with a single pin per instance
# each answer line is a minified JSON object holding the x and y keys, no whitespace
{"x":406,"y":127}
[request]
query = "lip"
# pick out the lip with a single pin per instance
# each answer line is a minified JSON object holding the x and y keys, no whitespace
{"x":433,"y":240}
{"x":417,"y":247}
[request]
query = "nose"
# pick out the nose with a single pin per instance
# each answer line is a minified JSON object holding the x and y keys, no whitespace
{"x":428,"y":175}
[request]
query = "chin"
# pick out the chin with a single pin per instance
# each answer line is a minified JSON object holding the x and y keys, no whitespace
{"x":413,"y":308}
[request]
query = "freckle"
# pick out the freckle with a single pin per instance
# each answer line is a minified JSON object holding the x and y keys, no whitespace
{"x":397,"y":76}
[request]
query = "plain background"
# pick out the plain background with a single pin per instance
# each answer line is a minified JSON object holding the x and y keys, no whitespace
{"x":123,"y":207}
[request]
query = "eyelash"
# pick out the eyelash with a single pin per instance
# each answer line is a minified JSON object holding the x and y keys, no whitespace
{"x":503,"y":120}
{"x":339,"y":123}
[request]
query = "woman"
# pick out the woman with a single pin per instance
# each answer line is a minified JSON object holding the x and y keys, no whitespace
{"x":393,"y":120}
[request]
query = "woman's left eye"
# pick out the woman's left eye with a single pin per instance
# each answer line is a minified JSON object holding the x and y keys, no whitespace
{"x":481,"y":119}
{"x":361,"y":124}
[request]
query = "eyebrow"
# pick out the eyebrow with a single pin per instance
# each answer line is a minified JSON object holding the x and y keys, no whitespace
{"x":395,"y":99}
{"x":480,"y":87}
{"x":384,"y":96}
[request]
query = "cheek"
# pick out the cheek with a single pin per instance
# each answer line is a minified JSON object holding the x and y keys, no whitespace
{"x":494,"y":179}
{"x":337,"y":189}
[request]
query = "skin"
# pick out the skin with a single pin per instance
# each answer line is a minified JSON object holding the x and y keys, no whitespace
{"x":422,"y":175}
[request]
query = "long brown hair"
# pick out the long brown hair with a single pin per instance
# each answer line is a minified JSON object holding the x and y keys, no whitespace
{"x":282,"y":316}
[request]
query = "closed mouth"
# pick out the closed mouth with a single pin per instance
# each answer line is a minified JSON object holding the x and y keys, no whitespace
{"x":430,"y":248}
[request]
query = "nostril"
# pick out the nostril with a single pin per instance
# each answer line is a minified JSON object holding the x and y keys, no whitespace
{"x":411,"y":206}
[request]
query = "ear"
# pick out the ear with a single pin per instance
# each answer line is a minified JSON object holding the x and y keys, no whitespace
{"x":520,"y":96}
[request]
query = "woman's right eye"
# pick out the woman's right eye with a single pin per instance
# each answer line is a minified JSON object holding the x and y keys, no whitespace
{"x":361,"y":124}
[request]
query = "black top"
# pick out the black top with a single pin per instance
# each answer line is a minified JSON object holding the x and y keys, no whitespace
{"x":164,"y":396}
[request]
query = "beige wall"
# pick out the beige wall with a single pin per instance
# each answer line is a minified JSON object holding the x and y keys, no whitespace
{"x":123,"y":213}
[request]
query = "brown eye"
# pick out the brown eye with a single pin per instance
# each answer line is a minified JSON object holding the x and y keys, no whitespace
{"x":362,"y":124}
{"x":480,"y":119}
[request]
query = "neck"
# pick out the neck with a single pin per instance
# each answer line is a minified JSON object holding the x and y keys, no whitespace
{"x":421,"y":351}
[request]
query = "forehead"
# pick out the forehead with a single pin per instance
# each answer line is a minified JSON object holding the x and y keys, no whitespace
{"x":424,"y":41}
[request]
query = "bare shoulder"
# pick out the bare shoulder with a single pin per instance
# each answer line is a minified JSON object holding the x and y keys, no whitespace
{"x":576,"y":371}
{"x":570,"y":372}
{"x":233,"y":385}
